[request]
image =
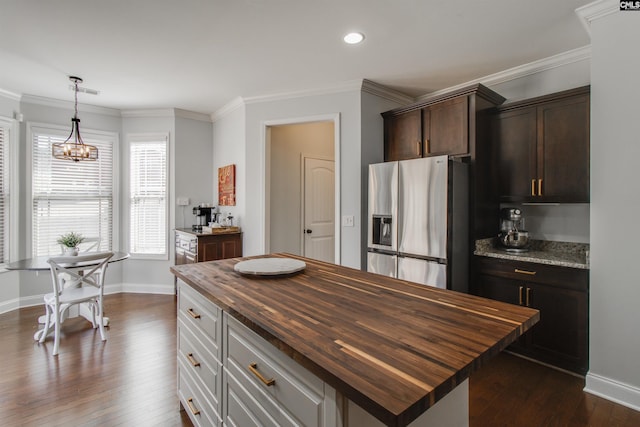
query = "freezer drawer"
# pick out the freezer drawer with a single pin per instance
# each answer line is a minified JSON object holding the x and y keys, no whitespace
{"x":382,"y":264}
{"x":423,"y":272}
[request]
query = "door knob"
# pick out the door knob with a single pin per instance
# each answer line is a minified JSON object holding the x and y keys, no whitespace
{"x":308,"y":231}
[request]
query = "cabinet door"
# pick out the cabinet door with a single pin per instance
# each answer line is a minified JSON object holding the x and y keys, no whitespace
{"x":505,"y":290}
{"x":446,"y":128}
{"x":403,"y":136}
{"x":563,"y":150}
{"x":221,"y":246}
{"x":560,"y":337}
{"x":515,"y":133}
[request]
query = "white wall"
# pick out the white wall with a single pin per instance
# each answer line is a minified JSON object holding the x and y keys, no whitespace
{"x":190,"y":174}
{"x":229,"y":148}
{"x":614,"y":369}
{"x":42,"y":110}
{"x":345,"y":104}
{"x":143,"y":275}
{"x":288,"y":144}
{"x":194,"y":171}
{"x":372,"y":129}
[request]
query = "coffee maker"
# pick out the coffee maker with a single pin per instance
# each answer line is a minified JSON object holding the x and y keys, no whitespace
{"x":204,"y":215}
{"x":512,"y":236}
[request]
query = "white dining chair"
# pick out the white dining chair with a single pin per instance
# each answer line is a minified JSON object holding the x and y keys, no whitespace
{"x":76,"y":279}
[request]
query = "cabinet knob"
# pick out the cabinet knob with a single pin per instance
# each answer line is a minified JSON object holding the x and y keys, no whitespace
{"x":308,"y":231}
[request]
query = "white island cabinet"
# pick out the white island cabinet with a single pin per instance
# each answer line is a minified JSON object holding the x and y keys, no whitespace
{"x":229,"y":375}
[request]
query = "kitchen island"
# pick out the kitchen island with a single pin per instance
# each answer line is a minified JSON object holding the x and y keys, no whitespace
{"x":391,"y":347}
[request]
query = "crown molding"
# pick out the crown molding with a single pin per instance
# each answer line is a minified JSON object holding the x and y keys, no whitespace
{"x":575,"y":55}
{"x":148,"y":113}
{"x":382,"y":91}
{"x":596,"y":10}
{"x":68,"y":105}
{"x":228,"y":108}
{"x":351,"y":85}
{"x":10,"y":95}
{"x":192,"y":115}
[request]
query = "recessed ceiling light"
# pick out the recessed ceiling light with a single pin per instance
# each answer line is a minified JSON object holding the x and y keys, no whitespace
{"x":354,"y":38}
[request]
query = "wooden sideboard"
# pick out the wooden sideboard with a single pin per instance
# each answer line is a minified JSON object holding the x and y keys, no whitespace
{"x":193,"y":246}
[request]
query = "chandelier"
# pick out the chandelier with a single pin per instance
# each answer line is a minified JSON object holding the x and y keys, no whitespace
{"x":73,"y":148}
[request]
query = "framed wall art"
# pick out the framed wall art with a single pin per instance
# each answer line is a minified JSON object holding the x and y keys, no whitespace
{"x":227,"y":185}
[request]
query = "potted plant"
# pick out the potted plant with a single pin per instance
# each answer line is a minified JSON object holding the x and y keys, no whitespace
{"x":70,"y":241}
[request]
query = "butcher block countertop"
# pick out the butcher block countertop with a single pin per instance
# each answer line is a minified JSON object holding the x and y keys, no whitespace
{"x":393,"y":347}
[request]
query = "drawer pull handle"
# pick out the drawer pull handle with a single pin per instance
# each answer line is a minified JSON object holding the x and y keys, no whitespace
{"x":540,"y":187}
{"x":530,"y":273}
{"x":193,"y":409}
{"x":193,"y":313}
{"x":192,"y":360}
{"x":533,"y":187}
{"x":520,"y":295}
{"x":528,"y":296}
{"x":254,"y":370}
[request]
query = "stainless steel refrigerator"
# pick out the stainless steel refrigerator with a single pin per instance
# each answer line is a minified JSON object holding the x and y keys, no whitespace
{"x":418,"y":221}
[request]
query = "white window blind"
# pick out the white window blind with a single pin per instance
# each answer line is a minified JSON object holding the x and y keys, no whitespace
{"x":4,"y":194}
{"x":70,"y":196}
{"x":148,"y":195}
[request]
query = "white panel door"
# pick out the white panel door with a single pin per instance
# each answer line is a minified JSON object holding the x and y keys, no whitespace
{"x":319,"y":209}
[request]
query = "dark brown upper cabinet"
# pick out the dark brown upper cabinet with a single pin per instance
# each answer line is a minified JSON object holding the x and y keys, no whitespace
{"x":456,"y":123}
{"x":542,"y":148}
{"x":433,"y":130}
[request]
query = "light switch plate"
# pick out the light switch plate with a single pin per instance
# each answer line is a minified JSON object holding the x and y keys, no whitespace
{"x":182,"y":201}
{"x":348,"y":220}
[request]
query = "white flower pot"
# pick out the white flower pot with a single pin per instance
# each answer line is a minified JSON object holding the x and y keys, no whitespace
{"x":70,"y":251}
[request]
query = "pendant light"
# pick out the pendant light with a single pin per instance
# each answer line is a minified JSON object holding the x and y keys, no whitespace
{"x":74,"y":148}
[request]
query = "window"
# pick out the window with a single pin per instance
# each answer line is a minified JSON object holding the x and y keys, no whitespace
{"x":148,"y":195}
{"x":69,"y":196}
{"x":5,"y":134}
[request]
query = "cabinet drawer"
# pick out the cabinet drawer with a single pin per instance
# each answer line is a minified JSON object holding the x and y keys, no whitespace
{"x":201,"y":316}
{"x":570,"y":278}
{"x":201,"y":363}
{"x":200,"y":411}
{"x":188,"y":245}
{"x":242,"y":409}
{"x":297,"y":391}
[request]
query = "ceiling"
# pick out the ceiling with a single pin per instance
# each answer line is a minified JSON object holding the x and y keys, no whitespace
{"x":199,"y":55}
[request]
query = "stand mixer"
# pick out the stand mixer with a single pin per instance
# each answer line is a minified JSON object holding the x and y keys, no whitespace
{"x":512,"y":236}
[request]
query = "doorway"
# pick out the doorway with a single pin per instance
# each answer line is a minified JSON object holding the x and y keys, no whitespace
{"x":301,"y":196}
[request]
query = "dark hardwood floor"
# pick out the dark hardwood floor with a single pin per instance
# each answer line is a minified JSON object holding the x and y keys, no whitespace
{"x":130,"y":380}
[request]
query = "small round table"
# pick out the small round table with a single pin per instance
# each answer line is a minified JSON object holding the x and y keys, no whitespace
{"x":40,"y":264}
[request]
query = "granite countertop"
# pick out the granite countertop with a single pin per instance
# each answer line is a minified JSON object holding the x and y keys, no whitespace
{"x":564,"y":254}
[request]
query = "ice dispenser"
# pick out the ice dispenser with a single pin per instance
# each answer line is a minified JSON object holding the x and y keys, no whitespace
{"x":382,"y":230}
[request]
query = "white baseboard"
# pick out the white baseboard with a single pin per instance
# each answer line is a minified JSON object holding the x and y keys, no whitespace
{"x":134,"y":288}
{"x":615,"y":391}
{"x":12,"y":304}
